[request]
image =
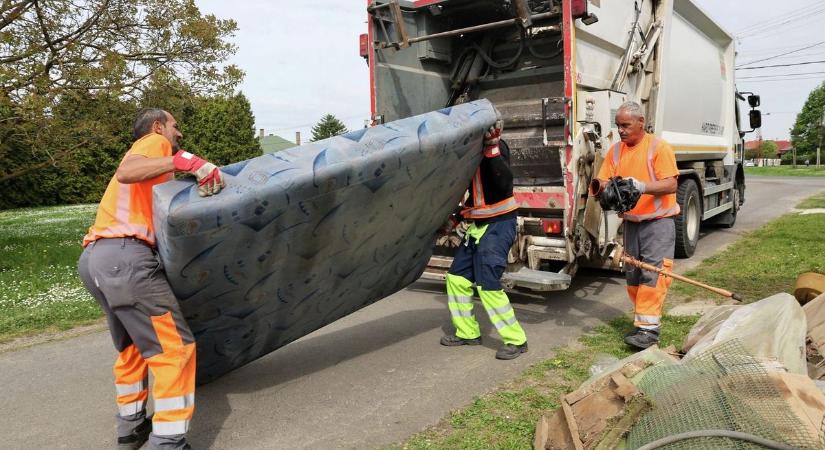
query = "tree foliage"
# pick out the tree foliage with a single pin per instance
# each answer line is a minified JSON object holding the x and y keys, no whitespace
{"x":55,"y":53}
{"x":98,"y":130}
{"x":808,"y":127}
{"x":766,"y":149}
{"x":50,"y":47}
{"x":327,"y":127}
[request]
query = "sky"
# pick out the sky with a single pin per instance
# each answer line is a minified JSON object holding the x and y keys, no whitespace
{"x":301,"y":58}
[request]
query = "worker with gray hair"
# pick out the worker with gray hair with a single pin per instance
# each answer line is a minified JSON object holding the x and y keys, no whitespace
{"x":649,"y":230}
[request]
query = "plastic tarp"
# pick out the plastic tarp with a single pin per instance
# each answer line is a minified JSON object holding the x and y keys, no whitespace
{"x":303,"y":237}
{"x":772,"y":328}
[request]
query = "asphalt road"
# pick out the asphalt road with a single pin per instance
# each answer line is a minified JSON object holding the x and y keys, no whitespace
{"x":368,"y":380}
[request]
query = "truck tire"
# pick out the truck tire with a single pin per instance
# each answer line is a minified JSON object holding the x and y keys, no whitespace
{"x":689,"y":219}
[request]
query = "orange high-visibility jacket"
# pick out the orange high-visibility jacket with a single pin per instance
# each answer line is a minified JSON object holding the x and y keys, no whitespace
{"x":652,"y":159}
{"x":126,"y":209}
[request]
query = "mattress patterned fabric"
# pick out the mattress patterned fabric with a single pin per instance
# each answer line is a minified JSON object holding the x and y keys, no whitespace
{"x":303,"y":237}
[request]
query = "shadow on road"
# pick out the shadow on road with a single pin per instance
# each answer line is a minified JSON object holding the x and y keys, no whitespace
{"x":567,"y":309}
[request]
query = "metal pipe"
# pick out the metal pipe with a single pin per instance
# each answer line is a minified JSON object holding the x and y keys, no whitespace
{"x":486,"y":26}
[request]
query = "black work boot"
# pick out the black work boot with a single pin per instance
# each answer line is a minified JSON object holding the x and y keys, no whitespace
{"x":632,"y":332}
{"x":452,"y":340}
{"x":511,"y":351}
{"x":138,"y":437}
{"x":643,"y":338}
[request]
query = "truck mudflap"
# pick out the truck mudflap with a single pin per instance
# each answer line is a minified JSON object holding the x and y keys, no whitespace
{"x":536,"y":280}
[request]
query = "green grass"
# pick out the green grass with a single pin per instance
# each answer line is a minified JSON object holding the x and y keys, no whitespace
{"x":766,"y":261}
{"x":506,"y":418}
{"x":817,"y":201}
{"x":786,"y":171}
{"x":39,"y":286}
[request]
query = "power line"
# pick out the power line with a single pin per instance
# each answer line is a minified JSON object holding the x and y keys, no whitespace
{"x":763,"y":23}
{"x":782,"y":65}
{"x":780,"y":75}
{"x":783,"y":80}
{"x":798,"y":16}
{"x":781,"y":54}
{"x":781,"y":26}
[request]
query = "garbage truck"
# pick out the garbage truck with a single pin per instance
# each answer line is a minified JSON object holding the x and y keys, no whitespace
{"x":557,"y":71}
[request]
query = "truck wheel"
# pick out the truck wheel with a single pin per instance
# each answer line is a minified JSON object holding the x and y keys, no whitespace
{"x":689,"y":219}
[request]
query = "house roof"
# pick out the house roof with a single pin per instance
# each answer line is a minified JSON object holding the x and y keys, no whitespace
{"x":273,"y":143}
{"x":781,"y":146}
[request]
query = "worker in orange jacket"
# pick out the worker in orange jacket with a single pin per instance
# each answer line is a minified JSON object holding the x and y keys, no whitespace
{"x":120,"y":267}
{"x":649,"y":229}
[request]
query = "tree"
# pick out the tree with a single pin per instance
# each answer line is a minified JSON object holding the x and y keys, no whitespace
{"x":808,"y":127}
{"x":53,"y":46}
{"x":222,"y":130}
{"x":766,"y":149}
{"x":327,"y":127}
{"x":55,"y":51}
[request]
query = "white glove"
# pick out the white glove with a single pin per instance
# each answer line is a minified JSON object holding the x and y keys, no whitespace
{"x":640,"y":186}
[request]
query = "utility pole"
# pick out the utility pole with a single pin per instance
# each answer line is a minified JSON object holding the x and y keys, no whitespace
{"x":819,"y":146}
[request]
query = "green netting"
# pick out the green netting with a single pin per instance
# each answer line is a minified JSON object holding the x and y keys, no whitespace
{"x":723,"y":388}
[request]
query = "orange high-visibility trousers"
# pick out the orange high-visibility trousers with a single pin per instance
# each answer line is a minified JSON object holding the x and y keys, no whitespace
{"x":150,"y":334}
{"x":653,"y":242}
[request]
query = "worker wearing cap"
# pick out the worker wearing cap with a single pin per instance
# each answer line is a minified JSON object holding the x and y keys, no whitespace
{"x":121,"y":269}
{"x":481,"y":258}
{"x":649,"y":229}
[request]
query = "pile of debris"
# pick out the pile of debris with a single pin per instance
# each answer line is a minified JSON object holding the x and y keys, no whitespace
{"x":752,"y":376}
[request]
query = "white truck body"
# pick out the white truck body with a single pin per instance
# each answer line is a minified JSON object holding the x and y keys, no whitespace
{"x":558,"y":70}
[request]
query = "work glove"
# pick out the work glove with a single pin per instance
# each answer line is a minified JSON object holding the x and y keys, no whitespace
{"x":210,"y":180}
{"x":491,"y":139}
{"x":640,"y":186}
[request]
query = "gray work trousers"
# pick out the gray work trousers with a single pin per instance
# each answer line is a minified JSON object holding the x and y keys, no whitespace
{"x":127,"y":279}
{"x":652,"y":242}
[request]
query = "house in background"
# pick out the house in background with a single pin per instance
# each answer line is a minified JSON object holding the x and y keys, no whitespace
{"x":273,"y":143}
{"x":782,"y":147}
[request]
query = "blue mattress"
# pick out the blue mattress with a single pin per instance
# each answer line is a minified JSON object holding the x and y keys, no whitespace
{"x":303,"y":237}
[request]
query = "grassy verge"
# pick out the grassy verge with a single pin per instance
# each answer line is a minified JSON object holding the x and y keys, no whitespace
{"x":786,"y":171}
{"x":762,"y":263}
{"x":767,"y":260}
{"x":506,"y":418}
{"x":39,"y":286}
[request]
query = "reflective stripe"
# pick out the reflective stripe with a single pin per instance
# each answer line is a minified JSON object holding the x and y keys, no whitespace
{"x":170,"y":428}
{"x":461,"y":313}
{"x":652,"y":320}
{"x":654,"y":215}
{"x":130,"y":409}
{"x":180,"y":402}
{"x":127,"y":389}
{"x":478,"y":189}
{"x":497,"y":209}
{"x":657,"y":199}
{"x":500,"y":311}
{"x":460,"y":299}
{"x":480,"y":209}
{"x":503,"y":323}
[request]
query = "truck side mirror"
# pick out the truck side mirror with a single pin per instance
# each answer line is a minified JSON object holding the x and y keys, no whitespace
{"x":754,"y":101}
{"x":755,"y":118}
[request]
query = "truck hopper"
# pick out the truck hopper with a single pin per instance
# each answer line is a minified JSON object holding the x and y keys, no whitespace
{"x":306,"y":236}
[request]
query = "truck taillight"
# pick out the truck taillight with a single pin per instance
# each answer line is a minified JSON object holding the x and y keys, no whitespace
{"x":551,"y":226}
{"x":364,"y":42}
{"x":578,"y":8}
